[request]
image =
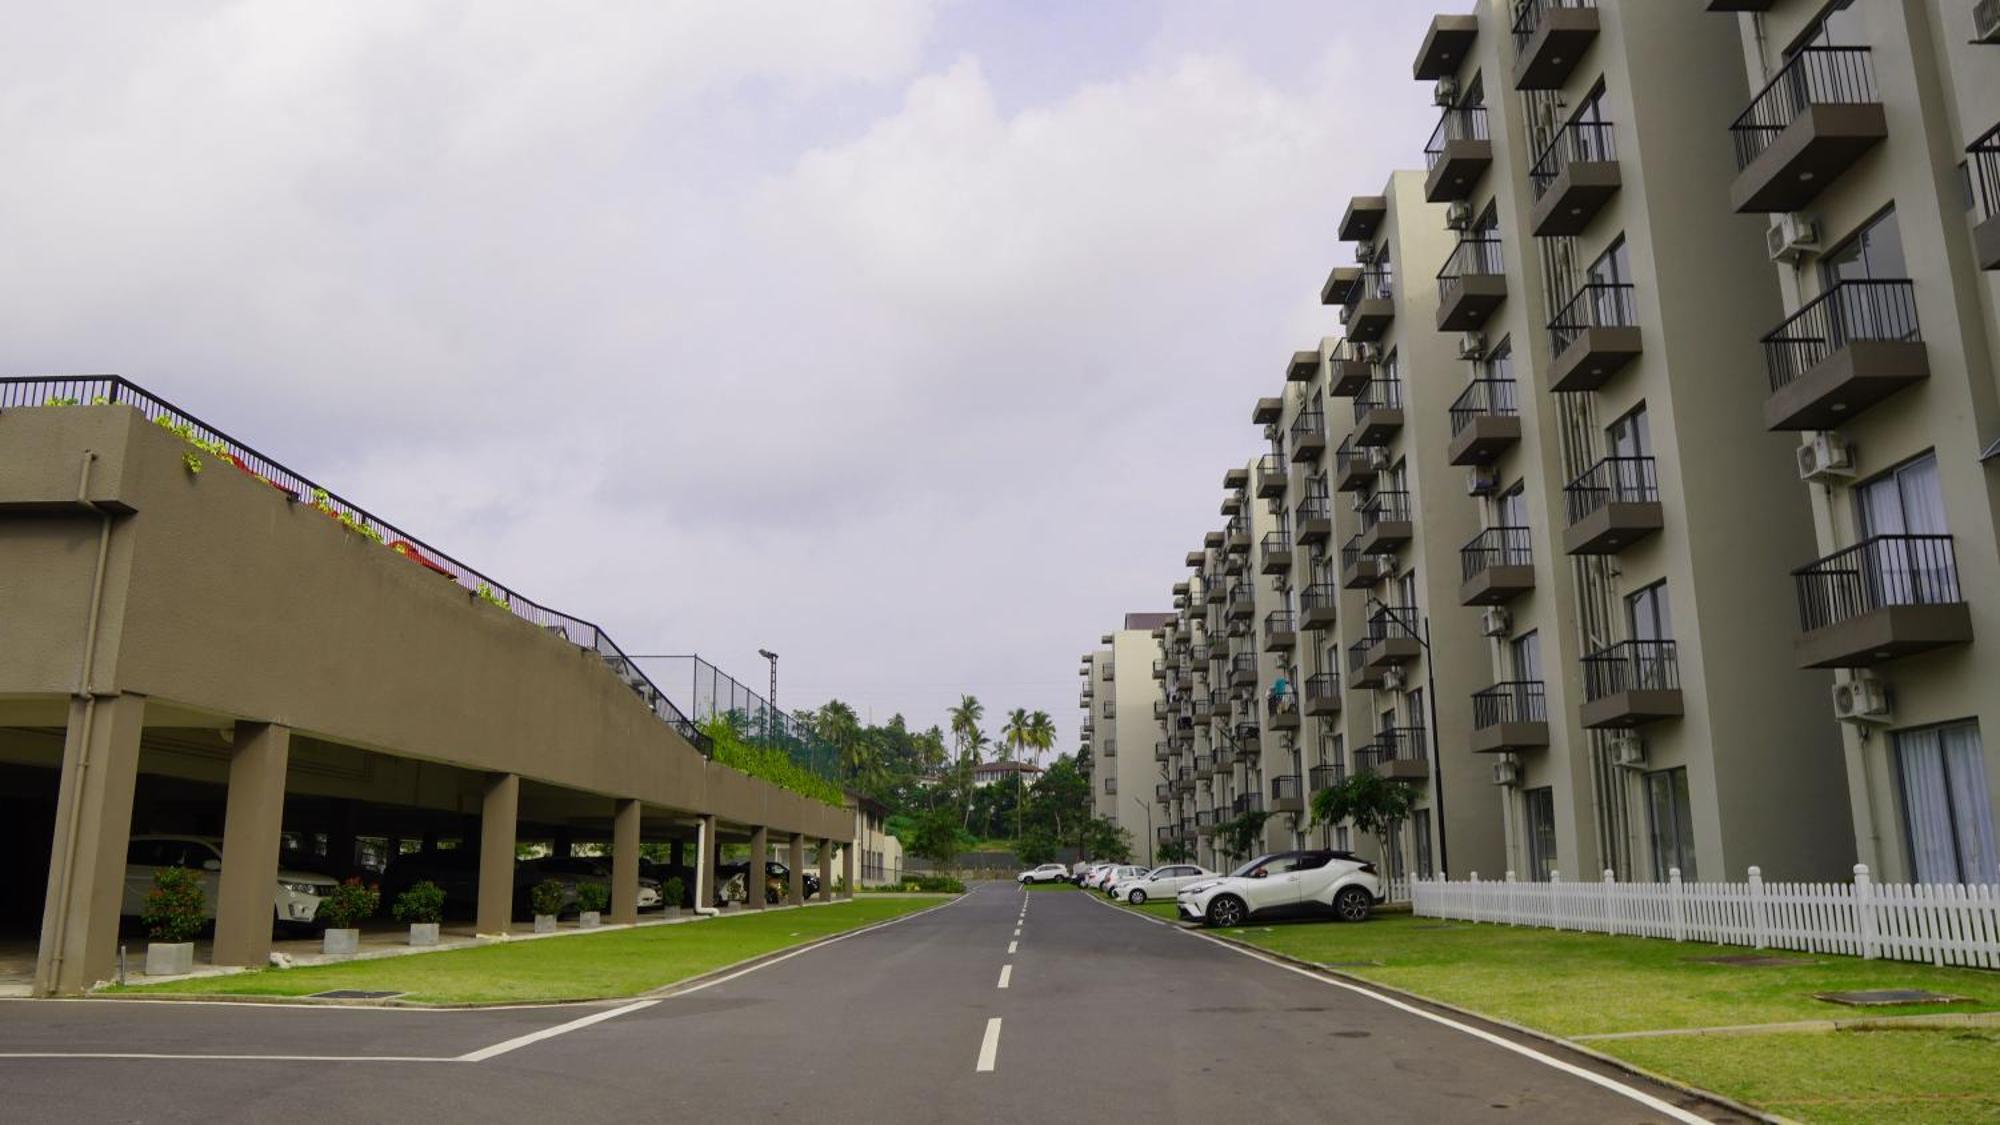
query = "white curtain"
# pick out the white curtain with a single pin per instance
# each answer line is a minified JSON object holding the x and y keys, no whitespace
{"x":1946,"y":805}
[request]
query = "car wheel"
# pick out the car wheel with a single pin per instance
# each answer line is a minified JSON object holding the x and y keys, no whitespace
{"x":1136,"y":898}
{"x":1352,"y":904}
{"x":1226,"y":911}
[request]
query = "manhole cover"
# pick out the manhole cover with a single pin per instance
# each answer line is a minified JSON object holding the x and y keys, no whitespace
{"x":1754,"y":961}
{"x":1881,"y":997}
{"x":1348,"y":964}
{"x":353,"y":994}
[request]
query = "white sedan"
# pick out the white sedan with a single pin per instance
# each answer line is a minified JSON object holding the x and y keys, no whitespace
{"x":1160,"y":882}
{"x":1046,"y":873}
{"x":294,"y":897}
{"x":1124,"y":872}
{"x":1285,"y":885}
{"x":1095,"y":876}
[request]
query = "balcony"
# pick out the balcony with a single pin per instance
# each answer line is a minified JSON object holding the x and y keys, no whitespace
{"x":1204,"y":822}
{"x":1982,"y":158}
{"x":1392,"y":639}
{"x":1360,"y":674}
{"x":1385,"y":522}
{"x":1243,"y":670}
{"x":1235,"y":479}
{"x":1885,"y":597}
{"x":1372,"y":309}
{"x":1315,"y":519}
{"x":1631,"y":684}
{"x":1276,"y":553}
{"x":1485,"y":422}
{"x":1318,"y":607}
{"x":1378,"y":411}
{"x":1854,"y":346}
{"x":1347,"y":372}
{"x":1573,"y":179}
{"x":1159,"y":673}
{"x":1497,"y":566}
{"x":1225,"y":759}
{"x":1593,"y":337}
{"x":1363,"y":218}
{"x":1232,"y":564}
{"x":1111,"y":748}
{"x":1110,"y":671}
{"x":1303,"y":368}
{"x":1281,"y":717}
{"x":1272,"y":476}
{"x":1471,"y":284}
{"x":1232,"y":504}
{"x":1358,"y":569}
{"x":1286,"y":794}
{"x":1248,"y":739}
{"x":1457,"y":155}
{"x":1163,"y":834}
{"x":1309,"y":435}
{"x":1339,"y":287}
{"x":1813,"y":120}
{"x":1204,"y":709}
{"x":1236,"y":536}
{"x":1549,"y":37}
{"x":1204,"y":766}
{"x":1211,"y":541}
{"x":1162,"y":750}
{"x":1614,"y":504}
{"x":1280,"y":632}
{"x":1197,"y":559}
{"x":1398,"y":753}
{"x":1510,"y":716}
{"x":1241,"y":604}
{"x":1321,"y":696}
{"x":1353,"y":469}
{"x":1329,"y":776}
{"x":1445,"y":46}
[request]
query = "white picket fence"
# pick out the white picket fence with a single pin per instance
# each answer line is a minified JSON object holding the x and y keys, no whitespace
{"x":1945,"y":924}
{"x":1399,"y":890}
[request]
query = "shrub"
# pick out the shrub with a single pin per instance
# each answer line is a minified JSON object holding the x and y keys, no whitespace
{"x":349,"y":903}
{"x":422,"y":903}
{"x":175,"y":906}
{"x":674,"y":891}
{"x":593,"y":898}
{"x":934,"y":884}
{"x":546,"y":897}
{"x":729,"y":747}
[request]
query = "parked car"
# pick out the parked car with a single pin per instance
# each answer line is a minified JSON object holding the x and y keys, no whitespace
{"x":1094,"y":877}
{"x":1046,"y":873}
{"x":294,"y":899}
{"x":1285,"y":885}
{"x":577,"y":869}
{"x":777,"y":879}
{"x":454,"y":870}
{"x":1078,"y":869}
{"x":1122,"y":873}
{"x":1160,"y":883}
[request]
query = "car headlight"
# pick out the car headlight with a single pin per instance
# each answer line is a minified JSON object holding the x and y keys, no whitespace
{"x":313,"y":889}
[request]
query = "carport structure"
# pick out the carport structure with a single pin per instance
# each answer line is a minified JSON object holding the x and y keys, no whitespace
{"x":231,"y":651}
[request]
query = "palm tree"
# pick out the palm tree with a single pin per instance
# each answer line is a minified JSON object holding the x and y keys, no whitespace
{"x":965,"y":720}
{"x":1041,"y":734}
{"x":1014,"y":735}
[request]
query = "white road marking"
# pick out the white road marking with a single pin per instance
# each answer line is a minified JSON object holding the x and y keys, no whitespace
{"x":989,"y":1046}
{"x":1006,"y":974}
{"x":223,"y":1058}
{"x":1012,"y":945}
{"x":1017,"y":931}
{"x":520,"y":1041}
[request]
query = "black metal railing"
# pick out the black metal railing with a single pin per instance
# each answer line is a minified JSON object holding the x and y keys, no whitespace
{"x":1983,"y":160}
{"x":1315,"y":506}
{"x":1847,"y":312}
{"x":1311,"y":423}
{"x":1357,"y":657}
{"x":1402,"y":744}
{"x":1392,"y":505}
{"x":1876,"y":573}
{"x":1456,"y":123}
{"x":1247,"y":803}
{"x":1369,"y":758}
{"x":1350,"y":553}
{"x":1349,"y":456}
{"x":1165,"y":832}
{"x":1577,"y":142}
{"x":1277,"y":541}
{"x":1319,"y":595}
{"x":1496,"y":546}
{"x":1528,"y":16}
{"x":1329,"y":776}
{"x":1243,"y":662}
{"x":1322,"y":685}
{"x":1598,"y":304}
{"x":1285,"y":787}
{"x":1515,"y":701}
{"x":1272,"y":464}
{"x":1381,"y":392}
{"x":1204,"y":818}
{"x":1279,"y":621}
{"x":1375,"y":281}
{"x":1614,"y":480}
{"x":1814,"y":76}
{"x":1240,"y":592}
{"x":1392,"y":624}
{"x":1483,"y":398}
{"x":1631,"y":666}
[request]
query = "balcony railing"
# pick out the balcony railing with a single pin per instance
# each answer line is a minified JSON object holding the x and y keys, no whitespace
{"x":1285,"y":787}
{"x":1458,"y":123}
{"x":1247,"y":803}
{"x":1322,"y":685}
{"x":1280,"y":540}
{"x":1849,"y":311}
{"x":1814,"y":76}
{"x":1631,"y":666}
{"x":1280,"y":621}
{"x":1578,"y":142}
{"x":1328,"y":776}
{"x":1877,"y":573}
{"x":1496,"y":546}
{"x":1319,"y":595}
{"x":1349,"y":457}
{"x":1386,"y":624}
{"x":1614,"y":480}
{"x":1516,"y":701}
{"x":1315,"y":507}
{"x":1243,"y":662}
{"x":1528,"y":16}
{"x":1311,"y":423}
{"x":1392,"y":506}
{"x":1272,"y":464}
{"x":1382,"y":392}
{"x":1476,"y":255}
{"x":1596,"y":305}
{"x":1402,"y":744}
{"x":1483,"y":398}
{"x":1375,"y":282}
{"x":1983,"y":158}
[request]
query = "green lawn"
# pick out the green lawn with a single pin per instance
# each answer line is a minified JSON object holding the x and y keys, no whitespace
{"x":591,"y":966}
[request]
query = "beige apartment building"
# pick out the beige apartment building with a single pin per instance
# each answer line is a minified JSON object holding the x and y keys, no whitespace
{"x":1123,"y":697}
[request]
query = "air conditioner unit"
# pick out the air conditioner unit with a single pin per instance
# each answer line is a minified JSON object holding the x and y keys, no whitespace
{"x":1387,"y":563}
{"x":1459,"y":215}
{"x":1863,"y":699}
{"x":1445,"y":93}
{"x":1378,"y":457}
{"x":1628,"y":751}
{"x":1827,"y":458}
{"x":1471,"y":345}
{"x":1482,"y":480}
{"x":1371,"y":353}
{"x":1392,"y":679}
{"x":1791,"y":238}
{"x":1506,"y":773}
{"x":1495,"y":621}
{"x":1986,"y":21}
{"x":1364,"y":252}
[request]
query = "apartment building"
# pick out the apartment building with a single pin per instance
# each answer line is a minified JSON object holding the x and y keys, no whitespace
{"x":1124,"y":697}
{"x":1867,"y":150}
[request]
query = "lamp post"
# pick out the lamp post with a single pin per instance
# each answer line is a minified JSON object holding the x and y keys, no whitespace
{"x":1430,"y":680}
{"x":771,"y":718}
{"x":1148,"y":806}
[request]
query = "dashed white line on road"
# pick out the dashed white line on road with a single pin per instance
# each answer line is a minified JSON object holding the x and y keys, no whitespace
{"x":1017,"y":931}
{"x":989,"y":1047}
{"x":1006,"y":974}
{"x":1012,"y":945}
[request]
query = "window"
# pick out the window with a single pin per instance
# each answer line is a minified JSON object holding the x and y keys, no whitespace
{"x":1511,"y":510}
{"x":1630,"y":436}
{"x":1500,"y":362}
{"x":1110,"y":786}
{"x":1672,"y":823}
{"x":1343,"y":838}
{"x":1420,"y":828}
{"x":1525,"y":656}
{"x":1947,"y":814}
{"x":1837,"y":26}
{"x":1905,"y":500}
{"x":1649,"y":615}
{"x":1873,"y":253}
{"x":1613,"y":267}
{"x":1539,"y":807}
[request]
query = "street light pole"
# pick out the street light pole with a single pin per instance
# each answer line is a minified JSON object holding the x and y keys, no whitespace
{"x":1147,"y":805}
{"x":771,"y":719}
{"x":1436,"y":759}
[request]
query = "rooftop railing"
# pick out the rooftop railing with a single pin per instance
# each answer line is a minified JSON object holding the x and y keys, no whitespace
{"x":1813,"y":76}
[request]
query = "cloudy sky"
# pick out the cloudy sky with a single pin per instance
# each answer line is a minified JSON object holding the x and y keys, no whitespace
{"x":908,"y":338}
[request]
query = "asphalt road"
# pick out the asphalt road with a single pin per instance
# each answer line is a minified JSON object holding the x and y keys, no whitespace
{"x":1102,"y":1016}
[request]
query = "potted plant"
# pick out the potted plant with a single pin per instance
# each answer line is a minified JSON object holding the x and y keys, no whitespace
{"x":349,"y":903}
{"x":591,"y":899}
{"x":422,"y":906}
{"x":175,"y":911}
{"x":672,"y":892}
{"x":546,"y":899}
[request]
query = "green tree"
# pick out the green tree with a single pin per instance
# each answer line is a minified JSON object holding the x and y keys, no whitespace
{"x":1174,"y":851}
{"x":1105,"y":840}
{"x":1242,"y":837}
{"x":1374,"y":803}
{"x":1041,"y":734}
{"x":1036,"y":846}
{"x":937,"y":838}
{"x":1014,"y":736}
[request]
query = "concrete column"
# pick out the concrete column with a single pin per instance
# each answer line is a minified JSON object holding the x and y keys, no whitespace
{"x":100,"y":766}
{"x":847,"y":867}
{"x":706,"y":856}
{"x":625,"y":863}
{"x":753,"y":875}
{"x":499,"y":818}
{"x":826,"y":870}
{"x":254,"y":813}
{"x":795,"y":893}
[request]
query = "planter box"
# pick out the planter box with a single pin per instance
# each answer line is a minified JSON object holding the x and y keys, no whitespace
{"x":340,"y":941}
{"x":169,"y":958}
{"x":671,"y":912}
{"x":589,"y":920}
{"x":423,"y":933}
{"x":545,"y":923}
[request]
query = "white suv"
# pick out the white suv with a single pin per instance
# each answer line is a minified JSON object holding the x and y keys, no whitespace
{"x":1285,"y":885}
{"x":1160,"y":882}
{"x":294,"y":898}
{"x":1046,"y":873}
{"x":1123,"y":873}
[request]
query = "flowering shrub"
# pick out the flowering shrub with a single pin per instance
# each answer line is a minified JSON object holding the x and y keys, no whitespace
{"x":349,"y":903}
{"x":176,"y":906}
